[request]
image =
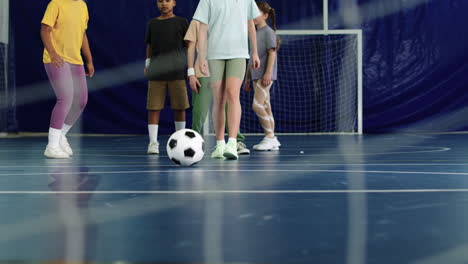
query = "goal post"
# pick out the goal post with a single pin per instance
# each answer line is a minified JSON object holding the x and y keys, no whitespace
{"x":4,"y":72}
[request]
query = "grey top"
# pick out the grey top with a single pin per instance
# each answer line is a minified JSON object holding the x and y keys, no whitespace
{"x":266,"y":40}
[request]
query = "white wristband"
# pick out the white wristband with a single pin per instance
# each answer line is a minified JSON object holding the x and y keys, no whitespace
{"x":147,"y":63}
{"x":190,"y":72}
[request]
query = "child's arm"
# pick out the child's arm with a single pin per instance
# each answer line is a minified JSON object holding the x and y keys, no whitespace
{"x":266,"y":81}
{"x":194,"y":83}
{"x":202,"y":39}
{"x":47,"y":40}
{"x":253,"y":45}
{"x":88,"y":57}
{"x":148,"y":51}
{"x":148,"y":57}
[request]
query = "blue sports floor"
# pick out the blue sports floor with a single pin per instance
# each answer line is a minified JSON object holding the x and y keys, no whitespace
{"x":382,"y":199}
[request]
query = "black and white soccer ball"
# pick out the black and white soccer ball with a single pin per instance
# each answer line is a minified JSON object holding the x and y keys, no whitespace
{"x":185,"y":147}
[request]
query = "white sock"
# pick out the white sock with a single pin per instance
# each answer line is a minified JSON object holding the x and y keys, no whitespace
{"x":179,"y":125}
{"x":153,"y":133}
{"x":65,"y":129}
{"x":232,"y":140}
{"x":220,"y":143}
{"x":54,"y":137}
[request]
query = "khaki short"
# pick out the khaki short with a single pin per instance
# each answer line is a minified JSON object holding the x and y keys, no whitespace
{"x":223,"y":69}
{"x":157,"y":95}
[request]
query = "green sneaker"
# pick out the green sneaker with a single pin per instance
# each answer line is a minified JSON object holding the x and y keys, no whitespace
{"x":218,"y":152}
{"x":242,"y":148}
{"x":230,"y":151}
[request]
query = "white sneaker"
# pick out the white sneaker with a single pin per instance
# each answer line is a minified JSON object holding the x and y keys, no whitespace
{"x":265,"y":144}
{"x":55,"y":153}
{"x":276,"y":143}
{"x":65,"y":146}
{"x":153,"y":148}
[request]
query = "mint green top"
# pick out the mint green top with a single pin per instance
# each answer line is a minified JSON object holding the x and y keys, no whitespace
{"x":227,"y":27}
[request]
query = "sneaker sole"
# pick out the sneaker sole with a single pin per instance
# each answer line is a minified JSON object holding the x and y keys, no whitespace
{"x":270,"y":149}
{"x":243,"y":152}
{"x":229,"y":155}
{"x":50,"y":157}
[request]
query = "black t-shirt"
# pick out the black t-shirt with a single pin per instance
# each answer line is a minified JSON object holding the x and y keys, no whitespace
{"x":168,"y":57}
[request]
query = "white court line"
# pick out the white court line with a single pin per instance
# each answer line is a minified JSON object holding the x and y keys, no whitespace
{"x":189,"y":172}
{"x":139,"y":149}
{"x":259,"y":164}
{"x":303,"y":155}
{"x":243,"y":191}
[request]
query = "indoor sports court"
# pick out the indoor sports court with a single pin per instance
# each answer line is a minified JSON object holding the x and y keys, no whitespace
{"x":370,"y":107}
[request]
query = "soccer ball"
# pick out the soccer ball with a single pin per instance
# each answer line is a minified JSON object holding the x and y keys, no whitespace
{"x":185,"y":147}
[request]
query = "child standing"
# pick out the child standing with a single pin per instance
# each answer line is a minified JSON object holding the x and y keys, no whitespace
{"x":268,"y":44}
{"x":63,"y":33}
{"x":200,"y":84}
{"x":165,"y":68}
{"x":230,"y":23}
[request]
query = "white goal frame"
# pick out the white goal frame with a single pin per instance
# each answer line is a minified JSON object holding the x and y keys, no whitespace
{"x":359,"y":61}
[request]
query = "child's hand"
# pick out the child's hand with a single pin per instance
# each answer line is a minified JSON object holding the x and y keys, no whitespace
{"x":255,"y":61}
{"x":57,"y":60}
{"x":204,"y":67}
{"x":194,"y":83}
{"x":266,"y":81}
{"x":90,"y":67}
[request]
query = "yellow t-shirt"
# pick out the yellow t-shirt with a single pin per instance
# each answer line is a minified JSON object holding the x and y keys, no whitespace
{"x":69,"y":21}
{"x":192,"y":35}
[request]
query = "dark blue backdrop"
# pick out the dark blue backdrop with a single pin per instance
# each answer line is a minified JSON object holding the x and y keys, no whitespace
{"x":414,"y":61}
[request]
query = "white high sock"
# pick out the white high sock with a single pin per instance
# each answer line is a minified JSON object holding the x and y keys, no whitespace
{"x":220,"y":142}
{"x":54,"y":137}
{"x":179,"y":125}
{"x":232,"y":140}
{"x":65,"y":129}
{"x":153,"y":133}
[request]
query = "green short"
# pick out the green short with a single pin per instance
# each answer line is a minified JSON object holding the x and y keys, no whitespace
{"x":223,"y":69}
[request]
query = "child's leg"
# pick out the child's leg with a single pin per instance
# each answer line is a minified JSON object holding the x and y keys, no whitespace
{"x":217,"y":68}
{"x":235,"y":71}
{"x":154,"y":105}
{"x":241,"y":147}
{"x":79,"y":100}
{"x":269,"y":111}
{"x":179,"y":119}
{"x":153,"y":117}
{"x":259,"y":106}
{"x":276,"y":144}
{"x":239,"y":137}
{"x":153,"y":125}
{"x":179,"y":102}
{"x":80,"y":94}
{"x":62,"y":83}
{"x":201,"y":103}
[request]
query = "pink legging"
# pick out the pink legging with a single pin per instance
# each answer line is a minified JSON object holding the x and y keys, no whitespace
{"x":71,"y":90}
